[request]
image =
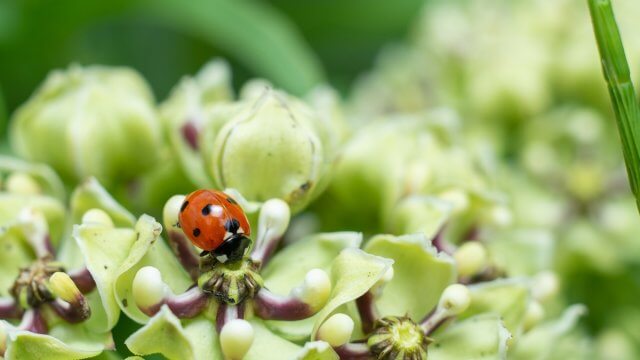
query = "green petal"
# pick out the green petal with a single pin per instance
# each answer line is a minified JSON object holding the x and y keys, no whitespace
{"x":158,"y":255}
{"x":105,"y":249}
{"x":42,"y":174}
{"x":65,"y":342}
{"x":353,"y":273}
{"x":522,"y":252}
{"x":506,"y":298}
{"x":90,"y":195}
{"x":540,"y":341}
{"x":426,"y":214}
{"x":14,"y":254}
{"x":317,"y":350}
{"x":268,"y":346}
{"x":165,"y":334}
{"x":53,"y":210}
{"x":420,"y":274}
{"x":289,"y":267}
{"x":479,"y":337}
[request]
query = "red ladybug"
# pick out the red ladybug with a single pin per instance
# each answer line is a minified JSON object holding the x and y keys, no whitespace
{"x":215,"y":223}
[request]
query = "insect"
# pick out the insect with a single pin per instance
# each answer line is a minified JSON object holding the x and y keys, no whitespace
{"x":215,"y":223}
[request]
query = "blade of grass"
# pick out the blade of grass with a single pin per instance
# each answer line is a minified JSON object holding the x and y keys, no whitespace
{"x":621,"y":90}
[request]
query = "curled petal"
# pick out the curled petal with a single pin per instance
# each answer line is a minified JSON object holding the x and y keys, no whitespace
{"x":354,"y":351}
{"x":83,"y":279}
{"x":273,"y":222}
{"x":72,"y":312}
{"x":34,"y":321}
{"x":9,"y":309}
{"x":180,"y":245}
{"x":367,"y":311}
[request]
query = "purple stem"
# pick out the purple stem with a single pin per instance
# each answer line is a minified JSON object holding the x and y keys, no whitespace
{"x":9,"y":309}
{"x":34,"y":321}
{"x":429,"y":330}
{"x":72,"y":313}
{"x":227,"y":313}
{"x":270,"y":306}
{"x":354,"y":351}
{"x":83,"y":279}
{"x":187,"y":305}
{"x":367,"y":310}
{"x":185,"y":253}
{"x":190,"y":134}
{"x":441,"y":244}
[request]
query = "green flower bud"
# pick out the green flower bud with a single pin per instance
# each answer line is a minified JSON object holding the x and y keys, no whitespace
{"x":336,"y":330}
{"x":94,"y":120}
{"x":271,"y":149}
{"x":236,"y":338}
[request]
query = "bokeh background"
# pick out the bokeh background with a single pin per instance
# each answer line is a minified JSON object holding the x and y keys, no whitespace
{"x":523,"y":73}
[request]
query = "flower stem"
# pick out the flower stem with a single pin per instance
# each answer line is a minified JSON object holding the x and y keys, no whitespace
{"x":270,"y":306}
{"x":354,"y":351}
{"x":9,"y":309}
{"x":367,"y":310}
{"x":83,"y":279}
{"x":227,"y":313}
{"x":621,"y":91}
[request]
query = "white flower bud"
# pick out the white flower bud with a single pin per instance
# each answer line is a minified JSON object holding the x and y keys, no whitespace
{"x":534,"y":314}
{"x":236,"y":338}
{"x":148,"y":288}
{"x":315,"y":289}
{"x":97,"y":217}
{"x":171,"y":211}
{"x":471,"y":258}
{"x":336,"y":330}
{"x":545,"y":285}
{"x":454,"y":299}
{"x":23,"y":184}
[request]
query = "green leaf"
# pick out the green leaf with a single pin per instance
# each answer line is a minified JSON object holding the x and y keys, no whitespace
{"x":251,"y":31}
{"x":420,"y":274}
{"x":479,"y":337}
{"x":289,"y":267}
{"x":506,"y":298}
{"x":539,"y":343}
{"x":621,"y":91}
{"x":104,"y":250}
{"x":353,"y":273}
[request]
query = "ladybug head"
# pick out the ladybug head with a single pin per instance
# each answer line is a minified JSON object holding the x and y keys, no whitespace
{"x":232,"y":249}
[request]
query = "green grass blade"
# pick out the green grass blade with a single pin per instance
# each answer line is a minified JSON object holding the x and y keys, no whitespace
{"x":621,"y":90}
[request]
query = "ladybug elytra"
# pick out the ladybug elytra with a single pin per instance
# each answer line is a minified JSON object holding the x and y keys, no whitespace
{"x":215,"y":223}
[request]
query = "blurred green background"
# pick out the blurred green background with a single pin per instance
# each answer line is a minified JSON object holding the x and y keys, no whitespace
{"x":295,"y":44}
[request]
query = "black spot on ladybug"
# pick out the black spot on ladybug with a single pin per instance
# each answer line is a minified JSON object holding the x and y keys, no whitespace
{"x":230,"y":200}
{"x":184,"y":206}
{"x":232,"y":225}
{"x":206,"y":210}
{"x":196,"y":232}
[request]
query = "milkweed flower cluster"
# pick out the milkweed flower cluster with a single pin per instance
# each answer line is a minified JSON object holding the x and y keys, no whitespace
{"x":394,"y":239}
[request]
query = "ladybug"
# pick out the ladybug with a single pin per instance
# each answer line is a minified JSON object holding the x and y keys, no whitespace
{"x":215,"y":223}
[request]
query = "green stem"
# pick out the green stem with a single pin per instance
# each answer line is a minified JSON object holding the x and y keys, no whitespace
{"x":623,"y":96}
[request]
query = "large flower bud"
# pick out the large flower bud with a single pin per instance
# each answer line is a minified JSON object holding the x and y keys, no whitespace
{"x":94,"y":120}
{"x":272,"y":148}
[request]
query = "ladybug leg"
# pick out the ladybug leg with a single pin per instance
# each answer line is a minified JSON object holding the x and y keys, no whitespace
{"x":232,"y":249}
{"x":204,"y":253}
